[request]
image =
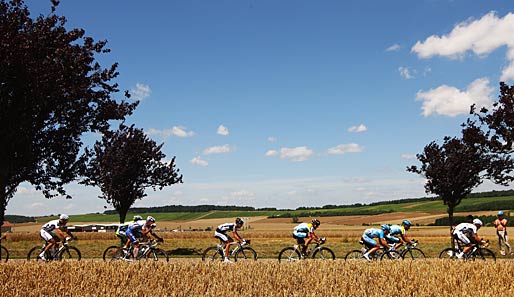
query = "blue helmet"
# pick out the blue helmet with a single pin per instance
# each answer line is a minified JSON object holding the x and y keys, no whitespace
{"x":386,"y":227}
{"x":500,"y":213}
{"x":406,"y":223}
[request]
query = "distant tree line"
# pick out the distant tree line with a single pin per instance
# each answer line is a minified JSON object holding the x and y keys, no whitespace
{"x":19,"y":219}
{"x":487,"y":220}
{"x":183,"y":208}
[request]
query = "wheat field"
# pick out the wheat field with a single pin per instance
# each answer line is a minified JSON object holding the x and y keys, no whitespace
{"x":260,"y":278}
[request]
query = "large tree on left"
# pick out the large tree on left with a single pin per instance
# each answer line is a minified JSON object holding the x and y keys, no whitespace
{"x":52,"y":90}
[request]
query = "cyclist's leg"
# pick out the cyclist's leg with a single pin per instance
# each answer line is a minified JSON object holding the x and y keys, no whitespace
{"x":225,"y":242}
{"x":300,"y":240}
{"x":49,"y":238}
{"x":464,"y":239}
{"x":371,"y":244}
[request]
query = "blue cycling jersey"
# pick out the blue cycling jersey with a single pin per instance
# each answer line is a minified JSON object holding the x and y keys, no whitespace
{"x":374,"y":233}
{"x":396,"y":230}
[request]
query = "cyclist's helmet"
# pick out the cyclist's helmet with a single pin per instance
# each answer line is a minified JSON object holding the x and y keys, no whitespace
{"x":406,"y":223}
{"x":137,"y":218}
{"x":386,"y":227}
{"x":500,"y":213}
{"x":478,"y":222}
{"x":64,"y":217}
{"x":315,"y":223}
{"x":150,"y":219}
{"x":239,"y":221}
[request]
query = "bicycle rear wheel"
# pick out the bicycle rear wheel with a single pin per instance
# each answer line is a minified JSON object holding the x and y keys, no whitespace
{"x":413,"y":254}
{"x":448,"y":253}
{"x":34,"y":252}
{"x":289,"y":254}
{"x":355,"y":255}
{"x":391,"y":255}
{"x":69,"y":253}
{"x":4,"y":254}
{"x":323,"y":253}
{"x":113,"y":253}
{"x":212,"y":254}
{"x":245,"y":254}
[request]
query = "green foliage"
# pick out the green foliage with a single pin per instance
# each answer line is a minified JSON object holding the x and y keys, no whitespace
{"x":19,"y":219}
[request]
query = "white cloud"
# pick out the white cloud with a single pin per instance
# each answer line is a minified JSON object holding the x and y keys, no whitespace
{"x":358,"y":129}
{"x":296,"y":154}
{"x":178,"y":131}
{"x":271,"y":153}
{"x":272,"y":139}
{"x":345,"y":149}
{"x":222,"y":130}
{"x":242,"y":194}
{"x":141,"y":91}
{"x":480,"y":36}
{"x":450,"y":101}
{"x":198,"y":161}
{"x":405,"y":72}
{"x":217,"y":150}
{"x":393,"y":48}
{"x":408,"y":156}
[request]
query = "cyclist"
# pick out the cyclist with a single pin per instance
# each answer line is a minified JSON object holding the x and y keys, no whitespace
{"x":221,"y":234}
{"x":501,"y":231}
{"x":49,"y":230}
{"x":304,"y":234}
{"x":369,"y":236}
{"x":122,"y":229}
{"x":467,"y":234}
{"x":401,"y":231}
{"x":139,"y":229}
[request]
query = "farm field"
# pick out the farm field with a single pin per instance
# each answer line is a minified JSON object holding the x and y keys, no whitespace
{"x":260,"y":278}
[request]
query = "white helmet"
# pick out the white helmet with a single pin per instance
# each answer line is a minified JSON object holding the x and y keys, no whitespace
{"x":478,"y":222}
{"x":64,"y":217}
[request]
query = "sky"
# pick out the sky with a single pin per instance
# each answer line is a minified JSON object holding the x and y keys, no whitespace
{"x":292,"y":103}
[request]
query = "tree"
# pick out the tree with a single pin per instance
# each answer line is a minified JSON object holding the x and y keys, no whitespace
{"x":452,"y":170}
{"x":126,"y":162}
{"x":51,"y":91}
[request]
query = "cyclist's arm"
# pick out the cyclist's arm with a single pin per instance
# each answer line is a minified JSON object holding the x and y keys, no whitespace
{"x":313,"y":236}
{"x":383,"y":242}
{"x":405,"y":238}
{"x":236,"y":235}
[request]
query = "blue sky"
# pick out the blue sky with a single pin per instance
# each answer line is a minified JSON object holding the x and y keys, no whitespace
{"x":292,"y":103}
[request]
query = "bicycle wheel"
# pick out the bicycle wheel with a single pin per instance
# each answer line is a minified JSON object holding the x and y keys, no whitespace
{"x":485,"y":254}
{"x":323,"y":253}
{"x":413,"y":254}
{"x":69,"y":253}
{"x":355,"y":255}
{"x":245,"y":254}
{"x":212,"y":254}
{"x":391,"y":255}
{"x":156,"y":255}
{"x":289,"y":254}
{"x":113,"y":253}
{"x":34,"y":252}
{"x":4,"y":254}
{"x":449,"y":253}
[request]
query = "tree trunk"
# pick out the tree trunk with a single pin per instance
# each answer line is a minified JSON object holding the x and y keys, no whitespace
{"x":450,"y":219}
{"x":3,"y":206}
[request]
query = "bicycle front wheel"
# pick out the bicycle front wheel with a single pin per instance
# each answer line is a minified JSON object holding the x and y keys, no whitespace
{"x":212,"y":254}
{"x":69,"y":253}
{"x":289,"y":254}
{"x":486,"y":255}
{"x":4,"y":254}
{"x":113,"y":253}
{"x":413,"y":254}
{"x":323,"y":253}
{"x":157,"y":255}
{"x":246,"y":253}
{"x":34,"y":252}
{"x":390,"y":255}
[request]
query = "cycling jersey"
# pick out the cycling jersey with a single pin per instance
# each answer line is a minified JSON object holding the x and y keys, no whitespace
{"x":369,"y":235}
{"x":464,"y":231}
{"x":397,"y":230}
{"x":223,"y":228}
{"x":135,"y":230}
{"x":52,"y":225}
{"x":304,"y":228}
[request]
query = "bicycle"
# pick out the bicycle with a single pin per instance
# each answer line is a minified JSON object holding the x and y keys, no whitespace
{"x":294,"y":253}
{"x":241,"y":252}
{"x":147,"y":251}
{"x":479,"y":251}
{"x":4,"y":254}
{"x":64,"y":252}
{"x":411,"y":252}
{"x":379,"y":255}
